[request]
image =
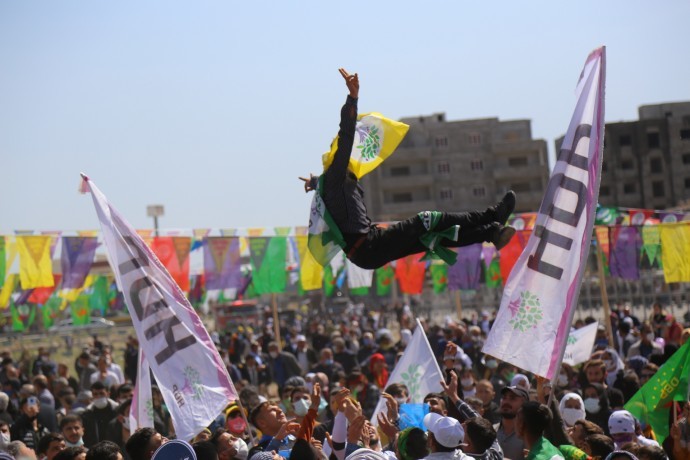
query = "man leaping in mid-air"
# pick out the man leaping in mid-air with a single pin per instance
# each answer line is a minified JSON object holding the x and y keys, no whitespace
{"x":368,"y":246}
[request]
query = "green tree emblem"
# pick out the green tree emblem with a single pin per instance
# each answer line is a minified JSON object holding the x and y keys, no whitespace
{"x":148,"y":407}
{"x":412,"y":379}
{"x":372,"y":143}
{"x":192,"y":383}
{"x":526,"y":312}
{"x":572,"y":340}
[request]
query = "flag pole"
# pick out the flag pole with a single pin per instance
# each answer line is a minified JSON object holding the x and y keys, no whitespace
{"x":458,"y":305}
{"x":276,"y":323}
{"x":604,"y":294}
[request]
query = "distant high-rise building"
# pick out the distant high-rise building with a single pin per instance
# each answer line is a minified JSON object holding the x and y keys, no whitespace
{"x":647,"y":162}
{"x":458,"y":166}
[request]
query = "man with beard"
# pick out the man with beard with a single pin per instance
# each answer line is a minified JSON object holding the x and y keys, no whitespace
{"x":512,"y":399}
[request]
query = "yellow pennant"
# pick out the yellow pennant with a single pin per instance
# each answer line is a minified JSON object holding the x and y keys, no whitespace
{"x":35,"y":266}
{"x":675,"y":247}
{"x":310,"y":271}
{"x":7,"y":290}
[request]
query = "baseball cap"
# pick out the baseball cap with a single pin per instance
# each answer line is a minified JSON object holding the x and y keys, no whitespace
{"x":621,"y":421}
{"x":300,"y":338}
{"x":446,"y":430}
{"x":516,"y":390}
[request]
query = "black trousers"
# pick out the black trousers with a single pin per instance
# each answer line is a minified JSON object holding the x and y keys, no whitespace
{"x":382,"y":245}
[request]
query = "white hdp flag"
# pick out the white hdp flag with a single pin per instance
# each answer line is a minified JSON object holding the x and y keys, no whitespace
{"x":417,"y":369}
{"x":358,"y":277}
{"x":141,"y":411}
{"x":541,"y":293}
{"x":194,"y":382}
{"x":580,"y":342}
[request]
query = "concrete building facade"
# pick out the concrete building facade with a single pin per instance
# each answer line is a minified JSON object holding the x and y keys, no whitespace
{"x":458,"y":166}
{"x":647,"y":162}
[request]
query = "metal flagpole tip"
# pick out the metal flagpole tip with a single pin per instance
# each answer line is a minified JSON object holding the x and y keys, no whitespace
{"x":84,"y":184}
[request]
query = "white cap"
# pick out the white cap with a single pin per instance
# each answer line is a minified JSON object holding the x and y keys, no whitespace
{"x":520,"y":380}
{"x":621,"y":421}
{"x":446,"y":430}
{"x":300,"y":338}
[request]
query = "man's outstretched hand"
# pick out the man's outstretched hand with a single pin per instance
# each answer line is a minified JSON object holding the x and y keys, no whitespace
{"x":352,"y":82}
{"x":308,"y":183}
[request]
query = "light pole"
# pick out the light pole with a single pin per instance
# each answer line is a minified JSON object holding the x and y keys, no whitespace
{"x":155,"y":211}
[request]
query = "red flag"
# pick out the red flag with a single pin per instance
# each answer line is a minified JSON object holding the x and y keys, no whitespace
{"x":410,"y":274}
{"x":173,"y":252}
{"x":510,"y":254}
{"x":40,"y":295}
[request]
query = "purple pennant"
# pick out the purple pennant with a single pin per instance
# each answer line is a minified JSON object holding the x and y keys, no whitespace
{"x":670,"y":217}
{"x":77,"y":257}
{"x":488,"y":254}
{"x":466,"y":272}
{"x":625,"y":253}
{"x":222,"y":265}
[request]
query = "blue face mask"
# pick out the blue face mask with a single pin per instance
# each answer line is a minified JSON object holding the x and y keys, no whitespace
{"x":329,"y":362}
{"x":322,"y":405}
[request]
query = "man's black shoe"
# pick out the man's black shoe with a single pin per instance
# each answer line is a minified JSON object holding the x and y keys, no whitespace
{"x":505,"y":207}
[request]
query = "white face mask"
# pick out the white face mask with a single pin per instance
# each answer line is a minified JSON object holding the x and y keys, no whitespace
{"x":401,"y":400}
{"x":301,"y":407}
{"x":4,"y":440}
{"x":100,"y":403}
{"x":592,"y":405}
{"x":467,"y":382}
{"x":242,"y":450}
{"x":571,"y":415}
{"x":562,"y":380}
{"x":469,"y":393}
{"x":76,"y":444}
{"x":273,"y":354}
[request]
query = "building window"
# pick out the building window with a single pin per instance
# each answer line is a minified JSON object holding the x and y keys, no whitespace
{"x":479,"y":191}
{"x":446,"y":194}
{"x":397,"y":171}
{"x":655,"y":165}
{"x":517,"y":161}
{"x":658,"y":189}
{"x":653,"y":140}
{"x":443,"y":167}
{"x":687,"y":182}
{"x":624,"y":140}
{"x":441,"y":141}
{"x":685,"y":134}
{"x":629,"y":189}
{"x":686,"y":158}
{"x":474,"y":138}
{"x":477,"y":165}
{"x":627,"y":164}
{"x":404,"y":197}
{"x":604,"y":190}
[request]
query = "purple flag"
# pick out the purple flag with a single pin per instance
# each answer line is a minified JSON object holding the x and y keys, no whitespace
{"x":488,"y":254}
{"x":77,"y":257}
{"x":222,"y":266}
{"x":466,"y":272}
{"x":626,"y":245}
{"x":671,"y":217}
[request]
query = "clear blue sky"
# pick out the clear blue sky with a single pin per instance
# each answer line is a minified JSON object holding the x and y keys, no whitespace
{"x":213,"y":108}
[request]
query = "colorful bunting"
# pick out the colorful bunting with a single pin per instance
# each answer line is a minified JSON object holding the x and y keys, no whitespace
{"x":35,"y":266}
{"x":76,"y":260}
{"x":675,"y":248}
{"x":268,"y":256}
{"x":173,"y":253}
{"x":625,"y":253}
{"x":466,"y":272}
{"x":222,"y":267}
{"x":439,"y":277}
{"x":81,"y":311}
{"x":384,"y":280}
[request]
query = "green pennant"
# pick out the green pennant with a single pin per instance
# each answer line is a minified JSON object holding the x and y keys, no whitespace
{"x":49,"y":311}
{"x":360,"y":291}
{"x":328,"y":281}
{"x":98,"y":300}
{"x":653,"y":402}
{"x":81,"y":311}
{"x":492,"y":274}
{"x":606,"y":215}
{"x":439,"y":277}
{"x":2,"y":261}
{"x":269,"y":264}
{"x":17,"y":323}
{"x":384,"y":280}
{"x":651,"y":244}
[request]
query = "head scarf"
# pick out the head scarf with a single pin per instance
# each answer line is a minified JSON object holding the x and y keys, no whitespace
{"x":567,"y":397}
{"x":382,"y":378}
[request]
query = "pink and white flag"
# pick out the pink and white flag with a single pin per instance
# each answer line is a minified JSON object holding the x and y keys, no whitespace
{"x":541,"y":294}
{"x":141,"y":411}
{"x":194,"y":382}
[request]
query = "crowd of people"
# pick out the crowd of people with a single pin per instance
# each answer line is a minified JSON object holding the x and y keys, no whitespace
{"x":314,"y":395}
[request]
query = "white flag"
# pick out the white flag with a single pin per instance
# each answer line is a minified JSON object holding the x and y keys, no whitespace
{"x":541,"y":293}
{"x":358,"y":277}
{"x":141,"y":411}
{"x":417,"y":369}
{"x":194,"y":382}
{"x":578,"y":349}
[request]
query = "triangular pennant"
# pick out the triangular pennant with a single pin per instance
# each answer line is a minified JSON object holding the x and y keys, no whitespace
{"x":255,"y":232}
{"x":282,"y":231}
{"x":182,"y":245}
{"x":36,"y":246}
{"x":257,"y":251}
{"x":218,"y":247}
{"x":228,"y":231}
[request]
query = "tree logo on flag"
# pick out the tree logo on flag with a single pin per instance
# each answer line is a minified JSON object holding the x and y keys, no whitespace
{"x":525,"y":312}
{"x":370,"y":138}
{"x":572,"y":340}
{"x":192,"y":383}
{"x":411,"y":379}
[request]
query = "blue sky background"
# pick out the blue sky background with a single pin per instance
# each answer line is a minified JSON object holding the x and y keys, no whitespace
{"x":214,"y":108}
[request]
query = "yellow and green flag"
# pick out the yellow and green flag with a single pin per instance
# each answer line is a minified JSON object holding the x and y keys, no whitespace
{"x":653,"y":402}
{"x":35,"y":266}
{"x":81,"y":311}
{"x":675,"y":245}
{"x":22,"y":316}
{"x":376,"y":138}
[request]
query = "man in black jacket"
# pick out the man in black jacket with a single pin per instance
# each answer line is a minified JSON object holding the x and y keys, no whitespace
{"x":369,"y":246}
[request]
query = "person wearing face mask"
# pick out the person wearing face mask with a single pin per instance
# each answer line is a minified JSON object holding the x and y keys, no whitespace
{"x":487,"y":394}
{"x":72,"y":429}
{"x":229,"y":447}
{"x":27,"y":428}
{"x":281,"y":365}
{"x":366,"y":349}
{"x":646,"y":346}
{"x":118,"y":428}
{"x":399,"y":392}
{"x":327,"y":364}
{"x":301,"y":402}
{"x":469,"y":388}
{"x":366,"y":393}
{"x":98,"y":414}
{"x":572,"y":409}
{"x":596,"y":405}
{"x":5,"y":436}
